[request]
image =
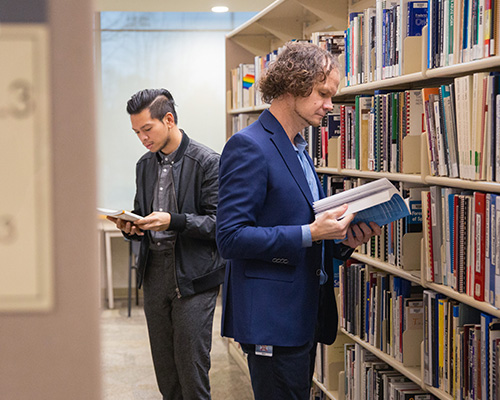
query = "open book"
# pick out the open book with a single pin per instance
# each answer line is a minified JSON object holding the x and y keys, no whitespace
{"x":378,"y":201}
{"x":122,"y":214}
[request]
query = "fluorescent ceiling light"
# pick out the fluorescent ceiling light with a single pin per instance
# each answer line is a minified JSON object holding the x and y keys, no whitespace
{"x":220,"y":9}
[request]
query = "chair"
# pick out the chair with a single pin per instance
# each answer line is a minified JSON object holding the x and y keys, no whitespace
{"x":134,"y":247}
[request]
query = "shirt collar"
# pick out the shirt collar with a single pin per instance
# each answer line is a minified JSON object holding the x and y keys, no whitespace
{"x":300,"y":143}
{"x":166,"y":158}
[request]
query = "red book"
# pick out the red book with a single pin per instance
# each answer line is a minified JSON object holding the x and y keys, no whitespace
{"x":479,"y":247}
{"x":324,"y":141}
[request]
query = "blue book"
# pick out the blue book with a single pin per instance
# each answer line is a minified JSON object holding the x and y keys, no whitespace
{"x":465,"y":25}
{"x":416,"y":18}
{"x":486,"y":319}
{"x":333,"y":124}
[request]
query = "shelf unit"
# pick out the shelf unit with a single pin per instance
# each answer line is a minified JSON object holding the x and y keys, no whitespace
{"x":413,"y":373}
{"x":284,"y":20}
{"x":278,"y":23}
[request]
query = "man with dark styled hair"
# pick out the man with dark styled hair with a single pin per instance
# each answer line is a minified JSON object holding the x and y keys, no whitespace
{"x":278,"y":298}
{"x":179,"y":265}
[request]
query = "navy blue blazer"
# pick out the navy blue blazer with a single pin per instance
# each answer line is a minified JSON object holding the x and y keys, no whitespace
{"x":271,"y":293}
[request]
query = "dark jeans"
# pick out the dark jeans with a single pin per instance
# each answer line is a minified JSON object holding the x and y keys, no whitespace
{"x":284,"y":376}
{"x":180,"y":332}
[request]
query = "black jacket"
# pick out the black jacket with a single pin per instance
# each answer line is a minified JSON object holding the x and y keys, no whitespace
{"x":198,"y":265}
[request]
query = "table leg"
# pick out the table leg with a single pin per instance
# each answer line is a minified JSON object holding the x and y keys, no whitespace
{"x":109,"y":270}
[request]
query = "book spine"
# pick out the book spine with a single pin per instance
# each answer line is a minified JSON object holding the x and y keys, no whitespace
{"x":480,"y":226}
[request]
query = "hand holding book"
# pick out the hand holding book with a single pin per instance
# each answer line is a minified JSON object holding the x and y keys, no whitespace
{"x":124,"y":220}
{"x":378,"y":201}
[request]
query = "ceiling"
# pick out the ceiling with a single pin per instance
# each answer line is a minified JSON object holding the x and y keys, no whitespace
{"x":179,"y":5}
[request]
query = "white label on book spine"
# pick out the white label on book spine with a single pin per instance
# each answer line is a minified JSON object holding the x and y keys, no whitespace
{"x":25,"y":207}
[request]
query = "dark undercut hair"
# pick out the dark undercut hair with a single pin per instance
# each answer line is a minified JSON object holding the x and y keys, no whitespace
{"x":298,"y":67}
{"x":158,"y":101}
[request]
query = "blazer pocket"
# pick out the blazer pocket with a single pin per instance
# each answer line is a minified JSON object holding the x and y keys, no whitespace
{"x":270,"y":271}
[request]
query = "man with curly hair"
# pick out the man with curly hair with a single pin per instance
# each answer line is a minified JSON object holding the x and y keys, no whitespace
{"x":278,"y":298}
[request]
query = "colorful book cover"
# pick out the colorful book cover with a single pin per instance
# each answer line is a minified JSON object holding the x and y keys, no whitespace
{"x":417,"y":17}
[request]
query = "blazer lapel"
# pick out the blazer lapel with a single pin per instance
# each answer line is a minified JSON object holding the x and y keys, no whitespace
{"x":287,"y":152}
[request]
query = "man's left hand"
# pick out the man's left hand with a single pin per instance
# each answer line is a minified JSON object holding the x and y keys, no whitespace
{"x":156,"y":221}
{"x":361,"y":233}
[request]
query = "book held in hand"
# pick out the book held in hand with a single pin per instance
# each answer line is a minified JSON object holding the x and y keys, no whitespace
{"x":122,"y":214}
{"x":378,"y":201}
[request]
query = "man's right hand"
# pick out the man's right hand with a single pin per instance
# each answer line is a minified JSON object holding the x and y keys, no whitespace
{"x":328,"y":227}
{"x":126,"y":226}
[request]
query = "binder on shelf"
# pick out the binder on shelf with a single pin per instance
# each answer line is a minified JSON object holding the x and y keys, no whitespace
{"x":334,"y":133}
{"x":430,"y":128}
{"x":479,"y":244}
{"x":437,"y":237}
{"x":427,"y":235}
{"x":414,"y":127}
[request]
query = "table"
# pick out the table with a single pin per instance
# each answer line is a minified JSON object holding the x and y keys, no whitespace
{"x":107,"y":231}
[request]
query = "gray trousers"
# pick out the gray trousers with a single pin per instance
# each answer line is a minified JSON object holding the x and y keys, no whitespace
{"x":180,"y":332}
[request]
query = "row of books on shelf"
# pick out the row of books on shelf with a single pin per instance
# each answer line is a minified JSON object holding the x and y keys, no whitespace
{"x":384,"y":310}
{"x":461,"y":231}
{"x":458,"y":31}
{"x":367,"y":377}
{"x":463,"y":127}
{"x":240,"y":121}
{"x":460,"y":343}
{"x":462,"y":31}
{"x":353,"y":372}
{"x":461,"y":348}
{"x":243,"y":86}
{"x":244,"y":92}
{"x":379,"y":133}
{"x":375,"y":38}
{"x":382,"y":133}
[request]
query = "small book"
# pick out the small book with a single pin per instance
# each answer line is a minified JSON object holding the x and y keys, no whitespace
{"x":122,"y":214}
{"x":378,"y":201}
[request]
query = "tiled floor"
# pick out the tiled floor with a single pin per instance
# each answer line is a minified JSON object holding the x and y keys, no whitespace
{"x":128,"y":369}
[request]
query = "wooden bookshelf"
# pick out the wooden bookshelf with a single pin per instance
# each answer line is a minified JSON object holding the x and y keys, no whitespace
{"x":280,"y":22}
{"x":413,"y":373}
{"x":284,"y":20}
{"x":248,"y":109}
{"x":331,"y":395}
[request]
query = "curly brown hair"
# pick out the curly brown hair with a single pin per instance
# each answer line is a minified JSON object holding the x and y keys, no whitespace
{"x":299,"y":66}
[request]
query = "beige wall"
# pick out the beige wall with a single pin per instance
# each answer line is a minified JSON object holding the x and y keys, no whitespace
{"x":55,"y":355}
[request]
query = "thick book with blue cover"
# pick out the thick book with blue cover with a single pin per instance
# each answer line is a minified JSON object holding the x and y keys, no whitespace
{"x":378,"y":201}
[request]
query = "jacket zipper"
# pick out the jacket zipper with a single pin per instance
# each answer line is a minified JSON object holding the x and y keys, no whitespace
{"x":177,"y":290}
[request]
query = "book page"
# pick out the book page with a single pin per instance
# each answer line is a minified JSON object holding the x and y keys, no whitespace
{"x":122,"y":214}
{"x":362,"y":194}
